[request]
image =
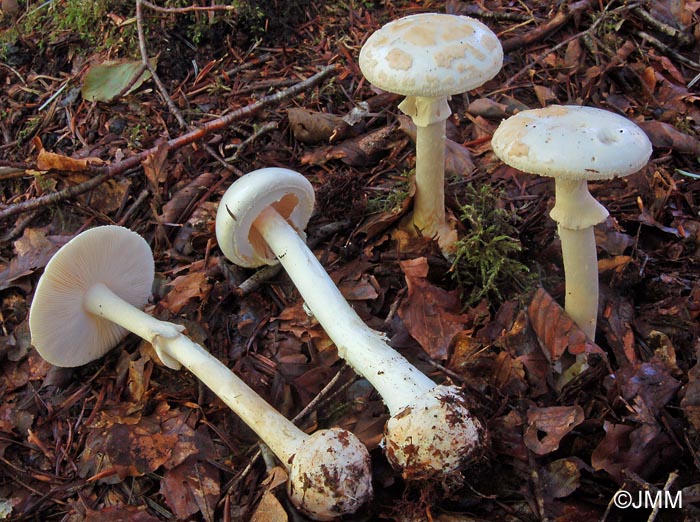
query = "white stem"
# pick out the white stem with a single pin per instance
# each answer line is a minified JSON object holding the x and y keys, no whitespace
{"x":283,"y":437}
{"x":429,"y":116}
{"x":576,"y":212}
{"x":581,"y":274}
{"x":574,"y":206}
{"x":429,"y":201}
{"x":396,"y":380}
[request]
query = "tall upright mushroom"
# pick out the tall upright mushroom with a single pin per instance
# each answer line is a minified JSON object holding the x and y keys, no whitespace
{"x":261,"y":220}
{"x":574,"y":144}
{"x":428,"y":58}
{"x":90,"y":296}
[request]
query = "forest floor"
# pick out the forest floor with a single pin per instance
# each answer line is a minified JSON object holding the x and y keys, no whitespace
{"x":126,"y":438}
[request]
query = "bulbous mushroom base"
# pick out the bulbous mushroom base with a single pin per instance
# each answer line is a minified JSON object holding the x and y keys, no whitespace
{"x":434,"y":436}
{"x":330,"y":475}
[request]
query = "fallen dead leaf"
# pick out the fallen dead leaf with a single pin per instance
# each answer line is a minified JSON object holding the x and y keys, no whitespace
{"x":690,"y":404}
{"x":665,"y":136}
{"x":313,"y":126}
{"x":565,"y":345}
{"x":361,"y":151}
{"x":51,"y":161}
{"x":154,"y":166}
{"x":428,"y":311}
{"x":192,"y":486}
{"x":507,"y":436}
{"x":185,"y":288}
{"x":547,"y":426}
{"x":643,"y":449}
{"x":269,"y":508}
{"x":562,"y":477}
{"x":33,"y":250}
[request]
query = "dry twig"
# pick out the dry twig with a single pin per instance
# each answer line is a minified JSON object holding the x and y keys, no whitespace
{"x":101,"y":174}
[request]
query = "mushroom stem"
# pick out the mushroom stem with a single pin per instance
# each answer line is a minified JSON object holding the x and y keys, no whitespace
{"x":431,"y":431}
{"x":576,"y":212}
{"x":174,"y":348}
{"x":429,"y":202}
{"x":581,"y":273}
{"x":396,"y":380}
{"x":94,"y":287}
{"x":429,"y":116}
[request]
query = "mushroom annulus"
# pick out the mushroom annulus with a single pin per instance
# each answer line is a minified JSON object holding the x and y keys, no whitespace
{"x":261,"y":220}
{"x":574,"y":144}
{"x":428,"y":58}
{"x":90,"y":296}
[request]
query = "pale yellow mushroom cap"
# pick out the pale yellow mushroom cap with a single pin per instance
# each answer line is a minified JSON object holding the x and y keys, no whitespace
{"x":572,"y":142}
{"x":431,"y":55}
{"x":62,"y":331}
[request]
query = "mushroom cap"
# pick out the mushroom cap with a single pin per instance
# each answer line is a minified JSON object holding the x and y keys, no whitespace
{"x":287,"y":191}
{"x":572,"y":142}
{"x":434,"y":436}
{"x":330,"y":475}
{"x":62,"y":331}
{"x":431,"y":54}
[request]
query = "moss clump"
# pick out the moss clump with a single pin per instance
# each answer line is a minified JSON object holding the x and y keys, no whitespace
{"x":486,"y":262}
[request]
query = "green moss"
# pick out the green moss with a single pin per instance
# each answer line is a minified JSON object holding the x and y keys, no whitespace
{"x":86,"y":25}
{"x":487,"y":262}
{"x":392,"y":200}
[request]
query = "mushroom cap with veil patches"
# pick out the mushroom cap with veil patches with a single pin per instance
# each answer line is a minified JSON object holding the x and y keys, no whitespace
{"x":62,"y":331}
{"x":572,"y":143}
{"x":431,"y":55}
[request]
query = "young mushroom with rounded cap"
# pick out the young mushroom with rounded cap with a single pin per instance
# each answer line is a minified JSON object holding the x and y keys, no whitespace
{"x":574,"y":144}
{"x":90,"y":296}
{"x":261,"y":220}
{"x":428,"y":58}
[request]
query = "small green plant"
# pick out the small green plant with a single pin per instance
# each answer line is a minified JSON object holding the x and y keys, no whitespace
{"x":486,"y":258}
{"x":393,"y":199}
{"x":88,"y":24}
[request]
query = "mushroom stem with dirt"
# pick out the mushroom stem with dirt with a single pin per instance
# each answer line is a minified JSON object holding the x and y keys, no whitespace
{"x":90,"y":296}
{"x":573,"y":145}
{"x":261,"y":220}
{"x":428,"y":58}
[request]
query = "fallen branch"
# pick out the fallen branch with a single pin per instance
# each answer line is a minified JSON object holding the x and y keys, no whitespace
{"x":560,"y":19}
{"x":579,"y":6}
{"x":102,"y":174}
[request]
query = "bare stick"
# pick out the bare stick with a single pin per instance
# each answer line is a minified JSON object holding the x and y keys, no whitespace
{"x":188,"y":8}
{"x":556,"y":22}
{"x":565,"y":42}
{"x":147,"y":64}
{"x":104,"y":173}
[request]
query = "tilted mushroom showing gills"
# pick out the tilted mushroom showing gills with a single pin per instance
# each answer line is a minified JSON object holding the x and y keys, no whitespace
{"x":574,"y":144}
{"x":90,"y":296}
{"x":428,"y":58}
{"x":260,"y":220}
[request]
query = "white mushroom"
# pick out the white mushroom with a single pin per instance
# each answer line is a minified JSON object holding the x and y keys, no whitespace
{"x":260,"y":220}
{"x":90,"y":296}
{"x":572,"y":145}
{"x":428,"y":58}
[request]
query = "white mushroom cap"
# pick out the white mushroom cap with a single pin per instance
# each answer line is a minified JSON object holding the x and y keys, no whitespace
{"x":435,"y":435}
{"x":62,"y":331}
{"x":431,"y":55}
{"x":572,"y":142}
{"x":330,"y":474}
{"x":290,"y":194}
